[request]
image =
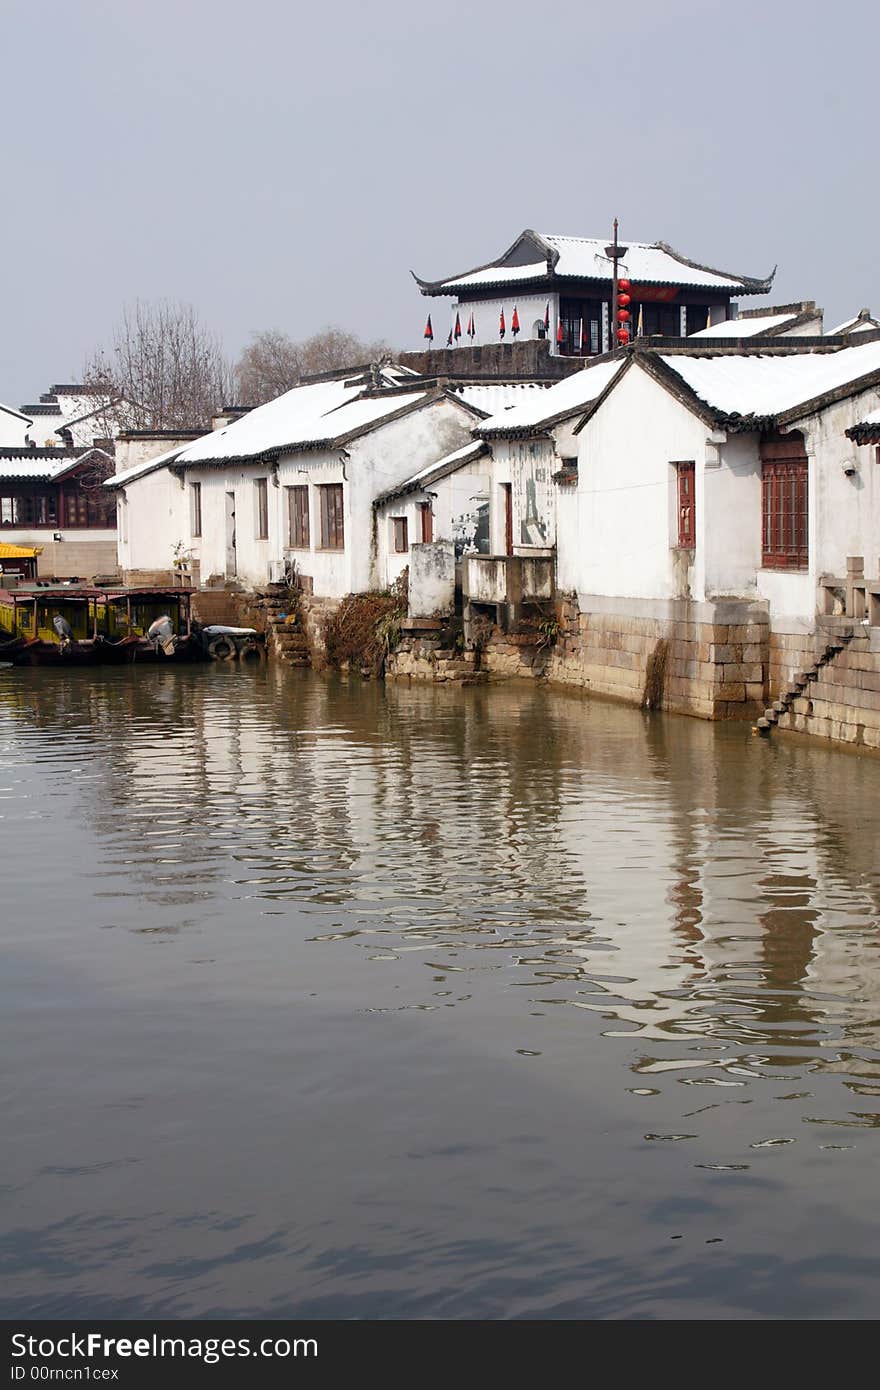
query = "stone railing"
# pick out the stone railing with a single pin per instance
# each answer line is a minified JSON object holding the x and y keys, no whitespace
{"x":852,"y":596}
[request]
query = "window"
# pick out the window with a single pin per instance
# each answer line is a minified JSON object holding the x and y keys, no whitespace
{"x":427,"y":520}
{"x":332,"y":529}
{"x":784,"y":503}
{"x":400,"y":537}
{"x":687,"y":520}
{"x":581,"y":327}
{"x":298,"y":517}
{"x":82,"y":509}
{"x":261,"y":508}
{"x":195,"y":508}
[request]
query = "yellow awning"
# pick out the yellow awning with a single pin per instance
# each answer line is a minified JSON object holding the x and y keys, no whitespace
{"x":19,"y":552}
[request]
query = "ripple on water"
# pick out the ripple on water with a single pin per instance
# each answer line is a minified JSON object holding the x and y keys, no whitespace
{"x":394,"y":919}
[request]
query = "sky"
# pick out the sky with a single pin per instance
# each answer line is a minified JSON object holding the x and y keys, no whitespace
{"x":281,"y":165}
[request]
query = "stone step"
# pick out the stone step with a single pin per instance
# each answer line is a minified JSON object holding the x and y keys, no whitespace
{"x":764,"y":725}
{"x":780,"y":706}
{"x":771,"y":716}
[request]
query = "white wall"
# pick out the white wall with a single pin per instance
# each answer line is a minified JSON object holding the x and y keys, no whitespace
{"x":618,"y":537}
{"x":12,"y":430}
{"x":844,"y":511}
{"x":624,"y":538}
{"x":152,"y":514}
{"x":129,"y":453}
{"x":487,"y":314}
{"x":728,"y":553}
{"x":369,"y":466}
{"x":456,"y":502}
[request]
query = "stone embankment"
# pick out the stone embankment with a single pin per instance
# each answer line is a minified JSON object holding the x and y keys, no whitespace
{"x":827,"y":683}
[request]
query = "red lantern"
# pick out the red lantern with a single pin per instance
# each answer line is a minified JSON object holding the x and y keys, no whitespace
{"x":623,"y":286}
{"x":622,"y":315}
{"x":623,"y":300}
{"x":623,"y":336}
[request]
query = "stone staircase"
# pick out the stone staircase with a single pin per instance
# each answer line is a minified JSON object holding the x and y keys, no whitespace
{"x":799,"y":685}
{"x":284,"y":634}
{"x":448,"y":666}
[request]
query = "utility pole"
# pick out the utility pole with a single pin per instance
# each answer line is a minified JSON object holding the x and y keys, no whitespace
{"x":615,"y":252}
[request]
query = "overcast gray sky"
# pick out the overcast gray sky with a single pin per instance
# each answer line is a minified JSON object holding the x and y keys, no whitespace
{"x":285,"y":165}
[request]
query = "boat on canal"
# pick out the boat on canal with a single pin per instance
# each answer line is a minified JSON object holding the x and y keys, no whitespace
{"x":52,"y":624}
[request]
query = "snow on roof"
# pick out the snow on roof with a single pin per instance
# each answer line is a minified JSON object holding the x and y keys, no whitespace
{"x":644,"y":262}
{"x":566,"y":397}
{"x":860,"y":323}
{"x":770,"y":385}
{"x":10,"y":410}
{"x":286,"y":420}
{"x":493,"y":397}
{"x":584,"y":258}
{"x":494,"y":275}
{"x":745,"y":328}
{"x":40,"y":469}
{"x":434,"y":471}
{"x":872,"y":419}
{"x":310,"y":414}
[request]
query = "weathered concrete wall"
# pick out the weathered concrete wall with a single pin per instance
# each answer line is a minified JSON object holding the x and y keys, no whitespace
{"x":431,"y":579}
{"x":74,"y":556}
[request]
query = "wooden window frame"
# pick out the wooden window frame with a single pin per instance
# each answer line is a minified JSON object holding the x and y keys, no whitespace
{"x":400,"y":535}
{"x":685,"y":494}
{"x":261,"y":509}
{"x":426,"y":522}
{"x":332,"y":512}
{"x":195,"y":510}
{"x":298,"y":527}
{"x":785,"y":503}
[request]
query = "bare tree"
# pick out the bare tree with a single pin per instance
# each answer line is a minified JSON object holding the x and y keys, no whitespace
{"x":272,"y":362}
{"x":165,"y":370}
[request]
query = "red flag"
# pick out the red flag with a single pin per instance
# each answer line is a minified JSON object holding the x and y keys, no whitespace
{"x":514,"y":322}
{"x":471,"y":328}
{"x":501,"y":328}
{"x":429,"y":332}
{"x":560,"y":336}
{"x":449,"y":339}
{"x":547,"y":318}
{"x":456,"y":333}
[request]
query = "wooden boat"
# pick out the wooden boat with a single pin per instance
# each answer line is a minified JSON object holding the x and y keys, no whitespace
{"x":73,"y":625}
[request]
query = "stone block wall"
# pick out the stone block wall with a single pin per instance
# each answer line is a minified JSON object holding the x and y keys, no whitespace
{"x":706,"y":659}
{"x":843,"y":703}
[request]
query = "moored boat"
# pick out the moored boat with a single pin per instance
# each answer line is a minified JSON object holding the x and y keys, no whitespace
{"x":49,"y":624}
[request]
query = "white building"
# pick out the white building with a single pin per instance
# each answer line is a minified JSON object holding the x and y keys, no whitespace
{"x":52,"y":503}
{"x":74,"y":415}
{"x":560,"y":288}
{"x":801,"y":320}
{"x":292,"y":482}
{"x":713,"y":475}
{"x":13,"y":427}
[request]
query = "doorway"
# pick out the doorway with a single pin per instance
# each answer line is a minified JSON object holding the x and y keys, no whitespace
{"x":507,"y":491}
{"x":231,"y":557}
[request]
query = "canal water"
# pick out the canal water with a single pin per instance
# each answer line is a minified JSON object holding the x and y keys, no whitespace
{"x":332,"y":999}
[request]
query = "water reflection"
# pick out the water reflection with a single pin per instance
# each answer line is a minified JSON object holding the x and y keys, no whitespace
{"x":661,"y":932}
